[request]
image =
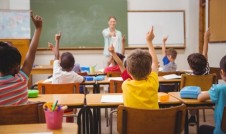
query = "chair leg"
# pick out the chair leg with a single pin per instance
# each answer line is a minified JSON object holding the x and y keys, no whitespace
{"x":204,"y":115}
{"x":106,"y":116}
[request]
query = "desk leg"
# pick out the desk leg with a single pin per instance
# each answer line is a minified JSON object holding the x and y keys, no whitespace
{"x":186,"y":123}
{"x":96,"y":88}
{"x":97,"y":120}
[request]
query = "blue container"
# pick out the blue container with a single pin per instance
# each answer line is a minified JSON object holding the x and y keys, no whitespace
{"x":85,"y":69}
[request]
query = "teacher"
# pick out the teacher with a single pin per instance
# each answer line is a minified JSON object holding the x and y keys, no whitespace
{"x":112,"y":37}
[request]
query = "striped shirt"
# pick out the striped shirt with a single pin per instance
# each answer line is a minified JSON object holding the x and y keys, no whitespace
{"x":13,"y":90}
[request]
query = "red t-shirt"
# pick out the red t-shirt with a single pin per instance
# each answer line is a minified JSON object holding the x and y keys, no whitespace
{"x":112,"y":69}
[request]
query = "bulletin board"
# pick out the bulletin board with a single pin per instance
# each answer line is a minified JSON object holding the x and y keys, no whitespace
{"x":217,"y":20}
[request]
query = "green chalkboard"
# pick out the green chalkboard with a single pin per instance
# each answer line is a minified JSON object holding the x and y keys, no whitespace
{"x":80,"y":21}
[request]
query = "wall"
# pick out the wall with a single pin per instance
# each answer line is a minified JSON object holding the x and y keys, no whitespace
{"x":191,"y":7}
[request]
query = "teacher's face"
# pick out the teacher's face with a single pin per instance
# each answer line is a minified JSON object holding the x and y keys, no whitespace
{"x":112,"y":23}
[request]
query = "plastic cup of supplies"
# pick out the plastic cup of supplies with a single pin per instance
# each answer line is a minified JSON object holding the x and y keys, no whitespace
{"x":54,"y":119}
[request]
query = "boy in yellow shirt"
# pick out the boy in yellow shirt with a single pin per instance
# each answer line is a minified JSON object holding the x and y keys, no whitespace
{"x":142,"y":91}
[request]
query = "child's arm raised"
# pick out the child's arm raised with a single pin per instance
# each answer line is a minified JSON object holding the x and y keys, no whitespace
{"x":206,"y":41}
{"x":30,"y":57}
{"x":150,"y":36}
{"x":55,"y":48}
{"x":123,"y":44}
{"x":164,"y":45}
{"x":116,"y":58}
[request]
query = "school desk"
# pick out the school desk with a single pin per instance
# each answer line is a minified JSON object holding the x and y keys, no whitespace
{"x":67,"y":128}
{"x":71,"y":100}
{"x":192,"y":104}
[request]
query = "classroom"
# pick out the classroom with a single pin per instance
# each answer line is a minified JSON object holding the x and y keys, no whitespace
{"x":194,"y":18}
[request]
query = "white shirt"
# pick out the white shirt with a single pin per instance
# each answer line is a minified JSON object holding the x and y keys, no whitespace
{"x":60,"y":77}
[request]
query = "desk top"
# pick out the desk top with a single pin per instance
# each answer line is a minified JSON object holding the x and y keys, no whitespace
{"x":67,"y":128}
{"x":94,"y":100}
{"x":63,"y":99}
{"x":190,"y":101}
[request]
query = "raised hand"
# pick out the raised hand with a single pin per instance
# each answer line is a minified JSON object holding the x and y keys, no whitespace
{"x":111,"y":49}
{"x":37,"y":20}
{"x":57,"y":36}
{"x":150,"y":35}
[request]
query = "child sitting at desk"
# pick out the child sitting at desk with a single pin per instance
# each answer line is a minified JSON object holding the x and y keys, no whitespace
{"x":113,"y":66}
{"x":63,"y":65}
{"x":13,"y":79}
{"x":217,"y":95}
{"x":169,"y":65}
{"x":62,"y":69}
{"x":199,"y":66}
{"x":142,"y":91}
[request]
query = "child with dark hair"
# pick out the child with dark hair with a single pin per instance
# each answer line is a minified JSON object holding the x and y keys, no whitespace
{"x":217,"y":95}
{"x":199,"y":66}
{"x":13,"y":78}
{"x":142,"y":91}
{"x":63,"y":65}
{"x":63,"y":69}
{"x":113,"y":65}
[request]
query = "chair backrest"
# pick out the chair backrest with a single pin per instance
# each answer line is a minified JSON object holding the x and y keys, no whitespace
{"x":68,"y":88}
{"x":83,"y":73}
{"x":155,"y":121}
{"x":113,"y":74}
{"x":22,"y":114}
{"x":223,"y":121}
{"x":115,"y":86}
{"x":217,"y":71}
{"x":203,"y":81}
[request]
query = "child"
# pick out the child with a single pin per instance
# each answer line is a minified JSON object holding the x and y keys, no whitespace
{"x":13,"y":79}
{"x":170,"y":55}
{"x":199,"y":66}
{"x":169,"y":65}
{"x":217,"y":94}
{"x":142,"y":91}
{"x":114,"y":67}
{"x":124,"y":74}
{"x":63,"y":65}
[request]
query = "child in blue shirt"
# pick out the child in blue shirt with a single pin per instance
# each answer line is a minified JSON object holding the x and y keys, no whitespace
{"x":217,"y":94}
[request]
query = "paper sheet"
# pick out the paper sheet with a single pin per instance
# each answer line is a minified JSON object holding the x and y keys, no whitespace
{"x":172,"y":76}
{"x":115,"y":78}
{"x":112,"y":98}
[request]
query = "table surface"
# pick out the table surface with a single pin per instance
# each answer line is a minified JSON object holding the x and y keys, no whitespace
{"x":67,"y":128}
{"x":63,"y":99}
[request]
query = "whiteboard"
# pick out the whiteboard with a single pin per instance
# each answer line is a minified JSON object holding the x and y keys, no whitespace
{"x":14,"y":24}
{"x":165,"y":23}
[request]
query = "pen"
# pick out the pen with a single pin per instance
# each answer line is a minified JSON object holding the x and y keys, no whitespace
{"x":54,"y":106}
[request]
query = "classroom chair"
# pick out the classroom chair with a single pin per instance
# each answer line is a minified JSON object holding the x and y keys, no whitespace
{"x":205,"y":82}
{"x":151,"y":121}
{"x":22,"y":114}
{"x":113,"y":74}
{"x":217,"y":71}
{"x":223,"y":122}
{"x":67,"y":88}
{"x":115,"y":87}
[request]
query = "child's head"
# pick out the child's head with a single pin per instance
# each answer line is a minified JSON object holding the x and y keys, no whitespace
{"x":67,"y":61}
{"x":121,"y":57}
{"x":197,"y":63}
{"x":223,"y":68}
{"x":10,"y":59}
{"x":171,"y":54}
{"x":139,"y":64}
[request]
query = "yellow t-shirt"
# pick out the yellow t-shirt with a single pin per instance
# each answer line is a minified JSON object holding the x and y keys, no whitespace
{"x":141,"y":94}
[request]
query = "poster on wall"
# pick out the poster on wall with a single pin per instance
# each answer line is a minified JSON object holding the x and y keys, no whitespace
{"x":14,"y":24}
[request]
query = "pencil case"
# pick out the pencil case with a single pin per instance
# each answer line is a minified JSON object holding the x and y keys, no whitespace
{"x":89,"y":78}
{"x":163,"y":97}
{"x":190,"y":92}
{"x":32,"y":93}
{"x":99,"y":78}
